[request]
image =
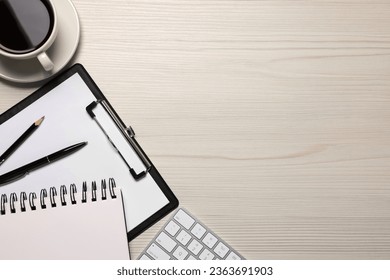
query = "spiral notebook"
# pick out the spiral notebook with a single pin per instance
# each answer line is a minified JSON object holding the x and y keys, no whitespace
{"x":69,"y":222}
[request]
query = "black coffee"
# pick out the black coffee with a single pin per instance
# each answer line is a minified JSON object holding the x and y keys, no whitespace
{"x":25,"y":25}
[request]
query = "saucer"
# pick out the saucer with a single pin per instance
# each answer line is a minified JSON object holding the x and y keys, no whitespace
{"x":61,"y":52}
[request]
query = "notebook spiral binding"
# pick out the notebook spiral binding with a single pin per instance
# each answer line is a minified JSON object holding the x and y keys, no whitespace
{"x":54,"y":200}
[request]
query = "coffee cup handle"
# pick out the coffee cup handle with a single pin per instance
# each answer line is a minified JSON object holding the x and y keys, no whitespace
{"x":45,"y":61}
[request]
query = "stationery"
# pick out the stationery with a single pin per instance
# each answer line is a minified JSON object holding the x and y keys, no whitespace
{"x":26,"y":169}
{"x":72,"y":104}
{"x":85,"y":223}
{"x":20,"y":140}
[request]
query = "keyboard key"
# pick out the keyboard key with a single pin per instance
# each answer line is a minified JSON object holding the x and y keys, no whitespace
{"x":210,"y":240}
{"x":172,"y":228}
{"x":221,"y":250}
{"x":198,"y":231}
{"x":166,"y":242}
{"x":157,"y":253}
{"x":195,"y":247}
{"x":145,"y":257}
{"x":233,"y":256}
{"x":183,"y":237}
{"x":180,"y":253}
{"x":184,"y":219}
{"x":206,"y":255}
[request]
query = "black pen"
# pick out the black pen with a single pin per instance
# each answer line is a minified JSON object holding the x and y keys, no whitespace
{"x":25,"y":169}
{"x":20,"y":140}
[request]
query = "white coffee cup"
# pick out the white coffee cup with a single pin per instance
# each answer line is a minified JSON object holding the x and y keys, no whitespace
{"x":39,"y":52}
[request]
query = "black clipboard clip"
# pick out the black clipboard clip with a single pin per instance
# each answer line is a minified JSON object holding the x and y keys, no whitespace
{"x":128,"y":133}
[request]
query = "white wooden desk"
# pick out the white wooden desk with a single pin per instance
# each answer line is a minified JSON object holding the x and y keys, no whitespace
{"x":270,"y":120}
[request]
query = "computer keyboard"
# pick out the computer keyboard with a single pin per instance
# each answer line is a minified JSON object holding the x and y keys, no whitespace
{"x":184,"y":237}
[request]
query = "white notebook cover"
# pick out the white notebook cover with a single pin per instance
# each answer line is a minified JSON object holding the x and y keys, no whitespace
{"x":83,"y":231}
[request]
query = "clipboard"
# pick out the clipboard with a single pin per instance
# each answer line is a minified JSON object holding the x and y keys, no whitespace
{"x":76,"y":109}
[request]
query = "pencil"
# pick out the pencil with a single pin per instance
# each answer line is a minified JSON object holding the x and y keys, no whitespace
{"x":20,"y":140}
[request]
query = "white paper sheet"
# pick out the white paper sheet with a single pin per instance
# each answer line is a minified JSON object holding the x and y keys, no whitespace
{"x":67,"y":123}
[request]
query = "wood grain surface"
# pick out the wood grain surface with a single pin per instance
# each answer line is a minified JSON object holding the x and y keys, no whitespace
{"x":270,"y":120}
